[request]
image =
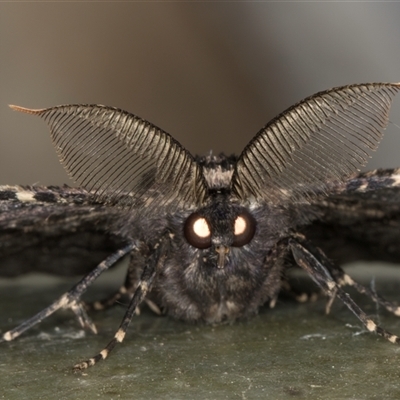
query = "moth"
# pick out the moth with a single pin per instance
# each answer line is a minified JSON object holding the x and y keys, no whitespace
{"x":209,"y":239}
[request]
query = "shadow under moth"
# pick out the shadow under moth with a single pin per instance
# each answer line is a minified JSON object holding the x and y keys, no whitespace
{"x":209,"y":239}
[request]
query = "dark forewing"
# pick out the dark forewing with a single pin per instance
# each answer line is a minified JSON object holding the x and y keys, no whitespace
{"x":53,"y":230}
{"x":362,"y":220}
{"x":318,"y":142}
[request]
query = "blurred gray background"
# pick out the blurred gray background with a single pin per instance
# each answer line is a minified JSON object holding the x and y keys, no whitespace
{"x":211,"y":74}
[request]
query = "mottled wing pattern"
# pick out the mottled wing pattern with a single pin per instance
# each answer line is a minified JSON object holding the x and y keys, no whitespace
{"x":361,"y":221}
{"x":54,"y":230}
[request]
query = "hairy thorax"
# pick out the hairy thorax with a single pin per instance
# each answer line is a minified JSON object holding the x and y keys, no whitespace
{"x":199,"y":291}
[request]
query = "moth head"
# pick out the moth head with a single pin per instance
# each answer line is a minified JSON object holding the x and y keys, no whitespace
{"x":220,"y":227}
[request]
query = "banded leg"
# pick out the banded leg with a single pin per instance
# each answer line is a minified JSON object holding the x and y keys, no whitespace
{"x":322,"y":277}
{"x":343,"y":279}
{"x":125,"y":291}
{"x":144,"y":286}
{"x":71,"y":298}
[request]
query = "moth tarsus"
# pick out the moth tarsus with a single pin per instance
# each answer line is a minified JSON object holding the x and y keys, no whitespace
{"x":210,"y":239}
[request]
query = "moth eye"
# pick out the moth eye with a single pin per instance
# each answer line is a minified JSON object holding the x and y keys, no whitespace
{"x":244,"y":229}
{"x":197,"y":232}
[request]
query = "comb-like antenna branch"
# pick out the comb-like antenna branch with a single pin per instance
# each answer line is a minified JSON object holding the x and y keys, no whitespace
{"x":124,"y":159}
{"x":314,"y":144}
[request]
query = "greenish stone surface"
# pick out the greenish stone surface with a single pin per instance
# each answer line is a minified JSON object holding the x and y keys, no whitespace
{"x":293,"y":351}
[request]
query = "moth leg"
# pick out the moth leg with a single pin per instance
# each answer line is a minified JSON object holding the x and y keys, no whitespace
{"x":84,"y":320}
{"x":100,"y":305}
{"x":299,"y":296}
{"x":322,"y":277}
{"x":390,"y":306}
{"x":70,"y":299}
{"x":154,"y":263}
{"x":154,"y":307}
{"x":125,"y":291}
{"x":343,"y":279}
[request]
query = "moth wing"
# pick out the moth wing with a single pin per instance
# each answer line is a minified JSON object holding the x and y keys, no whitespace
{"x":361,"y":221}
{"x":53,"y":230}
{"x":314,"y":144}
{"x":123,"y":158}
